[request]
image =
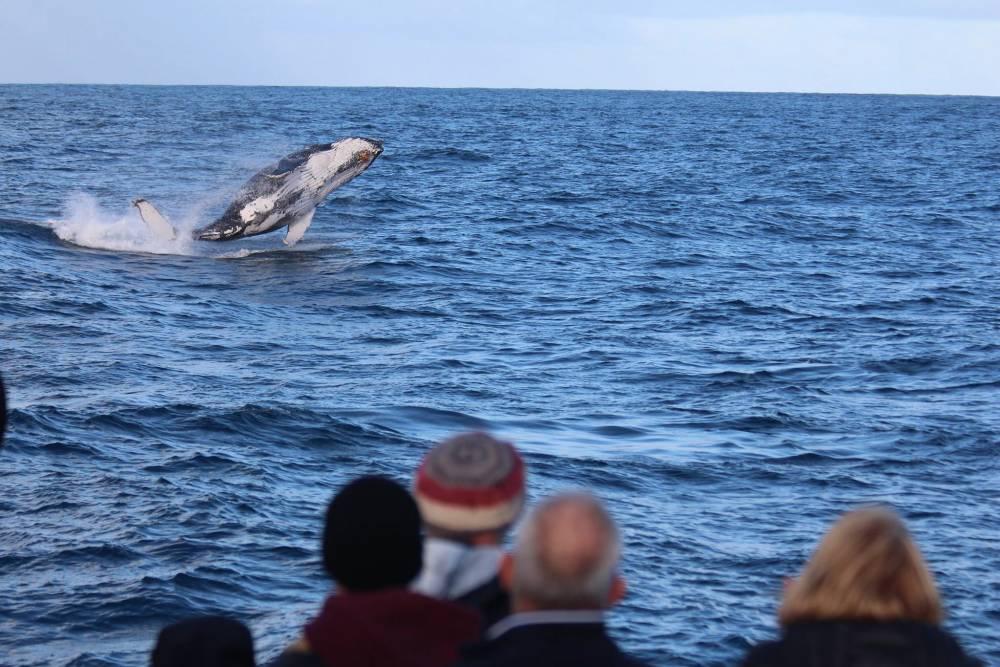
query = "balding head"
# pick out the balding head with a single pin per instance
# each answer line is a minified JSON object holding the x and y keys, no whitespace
{"x":566,"y":555}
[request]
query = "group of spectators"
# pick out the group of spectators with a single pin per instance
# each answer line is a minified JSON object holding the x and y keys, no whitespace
{"x":422,"y":579}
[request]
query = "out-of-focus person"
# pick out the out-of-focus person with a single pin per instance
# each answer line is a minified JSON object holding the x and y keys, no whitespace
{"x":562,"y":574}
{"x":211,"y":641}
{"x":864,"y":599}
{"x":372,"y":549}
{"x":470,"y":489}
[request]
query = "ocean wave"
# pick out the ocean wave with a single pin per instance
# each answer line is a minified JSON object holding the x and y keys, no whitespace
{"x":663,"y":297}
{"x":452,"y":153}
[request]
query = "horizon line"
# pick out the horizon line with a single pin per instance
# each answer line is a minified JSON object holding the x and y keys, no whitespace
{"x":498,"y":88}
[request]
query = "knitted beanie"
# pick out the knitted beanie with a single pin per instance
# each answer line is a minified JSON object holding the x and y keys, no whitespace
{"x":372,"y":538}
{"x":469,"y":483}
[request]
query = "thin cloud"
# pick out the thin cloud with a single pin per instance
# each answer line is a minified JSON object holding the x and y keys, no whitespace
{"x":900,"y":46}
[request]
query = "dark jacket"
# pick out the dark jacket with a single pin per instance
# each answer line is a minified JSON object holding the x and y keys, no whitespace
{"x":465,"y":573}
{"x":491,"y":600}
{"x":860,"y":644}
{"x":394,"y":628}
{"x":548,"y":644}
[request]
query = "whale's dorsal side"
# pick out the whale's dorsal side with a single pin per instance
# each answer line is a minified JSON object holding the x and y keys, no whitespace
{"x":154,"y":220}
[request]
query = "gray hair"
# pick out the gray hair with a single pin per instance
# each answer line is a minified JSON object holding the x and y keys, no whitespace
{"x":566,"y":554}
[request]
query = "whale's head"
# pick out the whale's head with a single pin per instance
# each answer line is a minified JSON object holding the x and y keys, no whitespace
{"x":344,"y":160}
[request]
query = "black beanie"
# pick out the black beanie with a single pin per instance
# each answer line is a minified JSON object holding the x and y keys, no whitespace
{"x":211,"y":641}
{"x":372,"y":538}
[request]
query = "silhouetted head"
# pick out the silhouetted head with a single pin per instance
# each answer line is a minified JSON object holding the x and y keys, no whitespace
{"x":211,"y":641}
{"x":372,"y":539}
{"x":470,"y":486}
{"x":867,"y":567}
{"x":566,"y":557}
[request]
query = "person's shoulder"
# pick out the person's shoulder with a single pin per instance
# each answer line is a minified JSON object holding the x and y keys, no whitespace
{"x":537,"y":645}
{"x":501,"y":658}
{"x":490,"y":599}
{"x":764,"y":654}
{"x":510,"y":648}
{"x":795,"y":641}
{"x":483,"y":653}
{"x":297,"y":654}
{"x":626,"y":660}
{"x":296,"y":659}
{"x":885,"y":642}
{"x":450,"y":612}
{"x":948,"y":648}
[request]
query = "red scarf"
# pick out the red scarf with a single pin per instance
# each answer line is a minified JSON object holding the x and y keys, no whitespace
{"x":390,"y":628}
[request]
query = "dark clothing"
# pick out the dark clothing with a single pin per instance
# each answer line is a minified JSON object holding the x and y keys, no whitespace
{"x":491,"y":600}
{"x":211,"y":641}
{"x":465,"y":573}
{"x":296,"y":659}
{"x":539,"y":638}
{"x":860,"y":644}
{"x":393,"y":628}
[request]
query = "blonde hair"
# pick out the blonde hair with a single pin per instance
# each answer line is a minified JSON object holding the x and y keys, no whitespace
{"x":866,"y":567}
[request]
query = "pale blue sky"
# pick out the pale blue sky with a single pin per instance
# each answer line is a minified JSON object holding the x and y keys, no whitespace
{"x":888,"y":46}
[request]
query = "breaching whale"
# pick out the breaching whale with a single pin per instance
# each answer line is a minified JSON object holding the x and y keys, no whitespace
{"x":283,"y":195}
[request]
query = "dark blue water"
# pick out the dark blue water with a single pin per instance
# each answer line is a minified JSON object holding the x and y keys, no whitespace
{"x":732,"y":316}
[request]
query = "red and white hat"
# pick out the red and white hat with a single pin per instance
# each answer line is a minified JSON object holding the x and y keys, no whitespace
{"x":471,"y":482}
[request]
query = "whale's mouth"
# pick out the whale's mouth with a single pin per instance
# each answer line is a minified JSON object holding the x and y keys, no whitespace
{"x":373,"y":151}
{"x":360,"y":160}
{"x":214,"y":233}
{"x":375,"y":147}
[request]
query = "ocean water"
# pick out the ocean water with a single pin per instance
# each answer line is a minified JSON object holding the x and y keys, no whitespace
{"x":732,"y":316}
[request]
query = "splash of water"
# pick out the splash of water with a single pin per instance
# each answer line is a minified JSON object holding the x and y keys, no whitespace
{"x":87,"y":223}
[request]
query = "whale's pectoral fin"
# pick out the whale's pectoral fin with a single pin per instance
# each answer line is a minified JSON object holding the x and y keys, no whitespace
{"x":156,"y":222}
{"x":297,"y":229}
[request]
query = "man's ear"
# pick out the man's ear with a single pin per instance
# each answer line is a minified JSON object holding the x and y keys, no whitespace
{"x":618,"y":590}
{"x":507,"y":572}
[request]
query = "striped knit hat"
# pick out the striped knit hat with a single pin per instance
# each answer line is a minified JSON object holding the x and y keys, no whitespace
{"x":469,"y":483}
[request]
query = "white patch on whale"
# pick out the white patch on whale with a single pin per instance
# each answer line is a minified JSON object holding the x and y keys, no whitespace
{"x":256,"y":207}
